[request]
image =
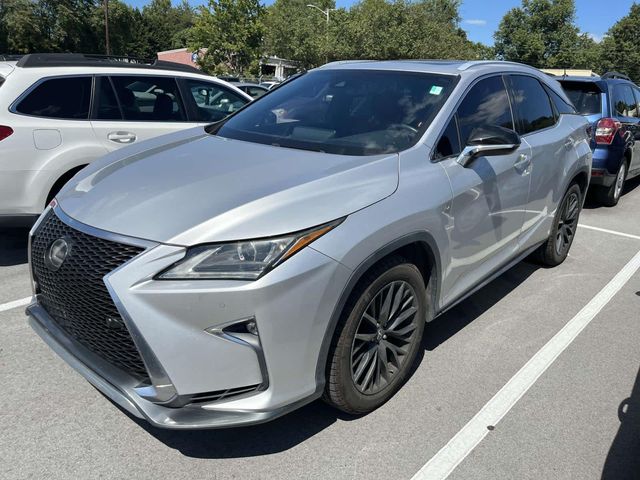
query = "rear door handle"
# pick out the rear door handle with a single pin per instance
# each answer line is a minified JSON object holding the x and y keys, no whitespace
{"x":122,"y":137}
{"x":568,"y":144}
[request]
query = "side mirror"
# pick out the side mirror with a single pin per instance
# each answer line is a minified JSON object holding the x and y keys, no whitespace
{"x":488,"y":140}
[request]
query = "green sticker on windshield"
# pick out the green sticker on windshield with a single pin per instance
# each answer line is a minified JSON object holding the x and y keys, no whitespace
{"x":435,"y":90}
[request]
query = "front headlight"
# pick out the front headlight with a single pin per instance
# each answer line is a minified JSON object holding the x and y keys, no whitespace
{"x":244,"y":260}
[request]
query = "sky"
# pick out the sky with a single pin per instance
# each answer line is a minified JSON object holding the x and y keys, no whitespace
{"x":480,"y":18}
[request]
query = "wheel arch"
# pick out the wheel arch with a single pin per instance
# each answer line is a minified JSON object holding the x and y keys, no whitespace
{"x":61,"y":180}
{"x":422,"y":250}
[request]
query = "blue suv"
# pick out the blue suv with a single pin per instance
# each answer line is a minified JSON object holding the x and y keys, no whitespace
{"x":610,"y":103}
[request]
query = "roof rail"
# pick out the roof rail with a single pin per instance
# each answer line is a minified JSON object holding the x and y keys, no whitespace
{"x":477,"y":63}
{"x":615,"y":75}
{"x":8,"y":57}
{"x":34,"y":60}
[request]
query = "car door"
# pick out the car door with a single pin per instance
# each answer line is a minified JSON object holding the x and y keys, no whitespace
{"x":489,"y":195}
{"x":552,"y":148}
{"x":635,"y":160}
{"x":133,"y":108}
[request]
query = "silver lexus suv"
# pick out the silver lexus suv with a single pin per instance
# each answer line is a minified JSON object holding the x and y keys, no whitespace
{"x":226,"y":275}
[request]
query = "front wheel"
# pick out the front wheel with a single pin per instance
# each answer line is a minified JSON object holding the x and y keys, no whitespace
{"x":555,"y":250}
{"x":378,"y":338}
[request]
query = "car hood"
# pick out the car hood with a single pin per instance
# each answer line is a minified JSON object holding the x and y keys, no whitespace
{"x":190,"y":187}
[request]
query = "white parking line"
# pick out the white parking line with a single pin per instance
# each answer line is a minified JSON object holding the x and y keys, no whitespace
{"x":454,"y":452}
{"x":15,"y":304}
{"x":612,"y":232}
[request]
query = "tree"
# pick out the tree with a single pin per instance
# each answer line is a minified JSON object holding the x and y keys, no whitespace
{"x":165,"y":24}
{"x":231,"y":32}
{"x":294,"y":31}
{"x":621,"y":45}
{"x":542,"y":33}
{"x":128,"y":35}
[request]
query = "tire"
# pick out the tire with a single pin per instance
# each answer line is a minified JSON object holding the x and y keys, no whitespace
{"x":610,"y":196}
{"x":352,"y":360}
{"x":555,"y":250}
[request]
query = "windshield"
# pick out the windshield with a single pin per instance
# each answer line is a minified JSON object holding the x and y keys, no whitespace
{"x":349,"y":112}
{"x":585,"y":96}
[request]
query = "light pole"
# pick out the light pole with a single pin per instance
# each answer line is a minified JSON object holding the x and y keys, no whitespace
{"x":326,"y":14}
{"x":106,"y":26}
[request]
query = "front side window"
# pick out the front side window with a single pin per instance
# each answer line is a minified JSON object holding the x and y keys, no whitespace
{"x":531,"y":104}
{"x":624,"y":103}
{"x":213,"y":102}
{"x":486,"y":105}
{"x":149,"y":99}
{"x":63,"y":98}
{"x":349,"y":112}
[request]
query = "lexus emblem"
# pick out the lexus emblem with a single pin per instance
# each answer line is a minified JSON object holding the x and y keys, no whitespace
{"x":56,"y":254}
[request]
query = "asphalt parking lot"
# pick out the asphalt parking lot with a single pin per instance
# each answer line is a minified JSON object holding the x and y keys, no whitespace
{"x":552,"y":355}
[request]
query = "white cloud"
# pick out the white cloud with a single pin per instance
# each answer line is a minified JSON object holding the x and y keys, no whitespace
{"x":595,"y":37}
{"x":475,"y":21}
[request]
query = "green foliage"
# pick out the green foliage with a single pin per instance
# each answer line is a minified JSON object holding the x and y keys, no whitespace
{"x":231,"y":31}
{"x":621,"y":45}
{"x":542,"y":33}
{"x":165,"y":25}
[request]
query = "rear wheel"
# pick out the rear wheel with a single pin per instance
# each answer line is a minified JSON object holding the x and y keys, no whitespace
{"x":378,"y":338}
{"x":555,"y":250}
{"x":610,"y":196}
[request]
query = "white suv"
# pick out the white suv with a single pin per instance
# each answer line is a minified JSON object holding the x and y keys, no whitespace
{"x":59,"y":112}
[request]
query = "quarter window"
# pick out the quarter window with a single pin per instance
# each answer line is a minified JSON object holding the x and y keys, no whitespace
{"x":449,"y":143}
{"x":623,"y":101}
{"x":561,"y":105}
{"x":64,"y":98}
{"x":531,"y":104}
{"x":149,"y":99}
{"x":486,"y":104}
{"x":213,"y":102}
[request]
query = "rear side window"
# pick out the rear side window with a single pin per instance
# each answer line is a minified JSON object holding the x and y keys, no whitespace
{"x":531,"y":104}
{"x":624,"y":104}
{"x":1,"y":81}
{"x":585,"y":96}
{"x":149,"y":99}
{"x":65,"y":98}
{"x":486,"y":104}
{"x":213,"y":102}
{"x":107,"y":107}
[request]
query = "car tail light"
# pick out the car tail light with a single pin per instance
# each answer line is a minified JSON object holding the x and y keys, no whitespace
{"x":5,"y":132}
{"x":606,"y":130}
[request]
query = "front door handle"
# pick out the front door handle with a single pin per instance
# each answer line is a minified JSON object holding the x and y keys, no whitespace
{"x":523,"y":164}
{"x":122,"y":137}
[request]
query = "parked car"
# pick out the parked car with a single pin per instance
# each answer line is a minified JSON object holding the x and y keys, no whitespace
{"x":226,"y":275}
{"x":252,"y":89}
{"x":269,"y":85}
{"x":59,"y":112}
{"x":610,"y":103}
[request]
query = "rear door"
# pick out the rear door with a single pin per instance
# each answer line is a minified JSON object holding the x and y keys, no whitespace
{"x":133,"y":108}
{"x":625,"y":108}
{"x":552,"y":149}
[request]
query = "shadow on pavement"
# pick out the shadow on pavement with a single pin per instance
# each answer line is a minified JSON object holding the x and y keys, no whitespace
{"x":629,"y":186}
{"x":13,"y":246}
{"x":451,"y":322}
{"x":302,"y":424}
{"x":623,"y":460}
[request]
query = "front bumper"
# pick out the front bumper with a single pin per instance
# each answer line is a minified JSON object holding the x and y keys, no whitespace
{"x":172,"y":324}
